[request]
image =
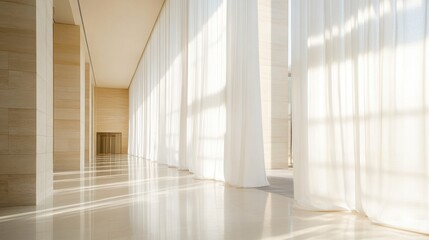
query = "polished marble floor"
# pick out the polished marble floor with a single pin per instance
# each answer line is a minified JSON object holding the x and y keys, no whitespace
{"x":281,"y":182}
{"x":120,"y":197}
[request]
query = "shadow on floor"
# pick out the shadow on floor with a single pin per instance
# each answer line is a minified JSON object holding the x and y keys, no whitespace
{"x":279,"y":185}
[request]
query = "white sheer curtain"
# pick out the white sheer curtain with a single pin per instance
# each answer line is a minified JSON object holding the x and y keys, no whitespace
{"x":361,"y":108}
{"x":244,"y":140}
{"x":182,"y":91}
{"x":156,"y":90}
{"x":206,"y":88}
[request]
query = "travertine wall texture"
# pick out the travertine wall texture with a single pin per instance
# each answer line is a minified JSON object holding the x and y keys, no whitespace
{"x":273,"y":57}
{"x":25,"y":102}
{"x":111,"y":113}
{"x":67,"y":96}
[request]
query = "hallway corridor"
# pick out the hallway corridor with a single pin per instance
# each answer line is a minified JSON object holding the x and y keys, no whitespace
{"x":121,"y":197}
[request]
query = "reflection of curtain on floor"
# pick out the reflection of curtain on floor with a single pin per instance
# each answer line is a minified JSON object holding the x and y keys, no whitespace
{"x":194,"y":100}
{"x":361,"y":108}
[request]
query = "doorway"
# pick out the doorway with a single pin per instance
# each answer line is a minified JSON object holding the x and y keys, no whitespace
{"x":109,"y":143}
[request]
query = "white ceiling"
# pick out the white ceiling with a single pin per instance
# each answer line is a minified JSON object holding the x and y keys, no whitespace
{"x":116,"y":31}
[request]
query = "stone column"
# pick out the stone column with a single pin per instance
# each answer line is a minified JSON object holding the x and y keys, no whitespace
{"x":25,"y":102}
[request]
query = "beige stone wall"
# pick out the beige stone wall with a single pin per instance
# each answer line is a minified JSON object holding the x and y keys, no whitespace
{"x":111,"y":113}
{"x":92,"y":132}
{"x":44,"y":99}
{"x":67,"y":87}
{"x":25,"y":96}
{"x":87,"y":113}
{"x":273,"y":57}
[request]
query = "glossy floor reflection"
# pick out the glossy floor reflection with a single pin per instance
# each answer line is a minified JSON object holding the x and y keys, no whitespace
{"x":122,"y":197}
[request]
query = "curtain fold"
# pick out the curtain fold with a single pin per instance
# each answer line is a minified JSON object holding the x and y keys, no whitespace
{"x":182,"y":91}
{"x":361,"y":109}
{"x":243,"y":140}
{"x":155,"y":104}
{"x":206,"y":84}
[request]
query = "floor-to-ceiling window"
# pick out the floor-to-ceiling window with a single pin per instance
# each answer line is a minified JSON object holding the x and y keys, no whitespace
{"x":360,"y":110}
{"x":195,"y":98}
